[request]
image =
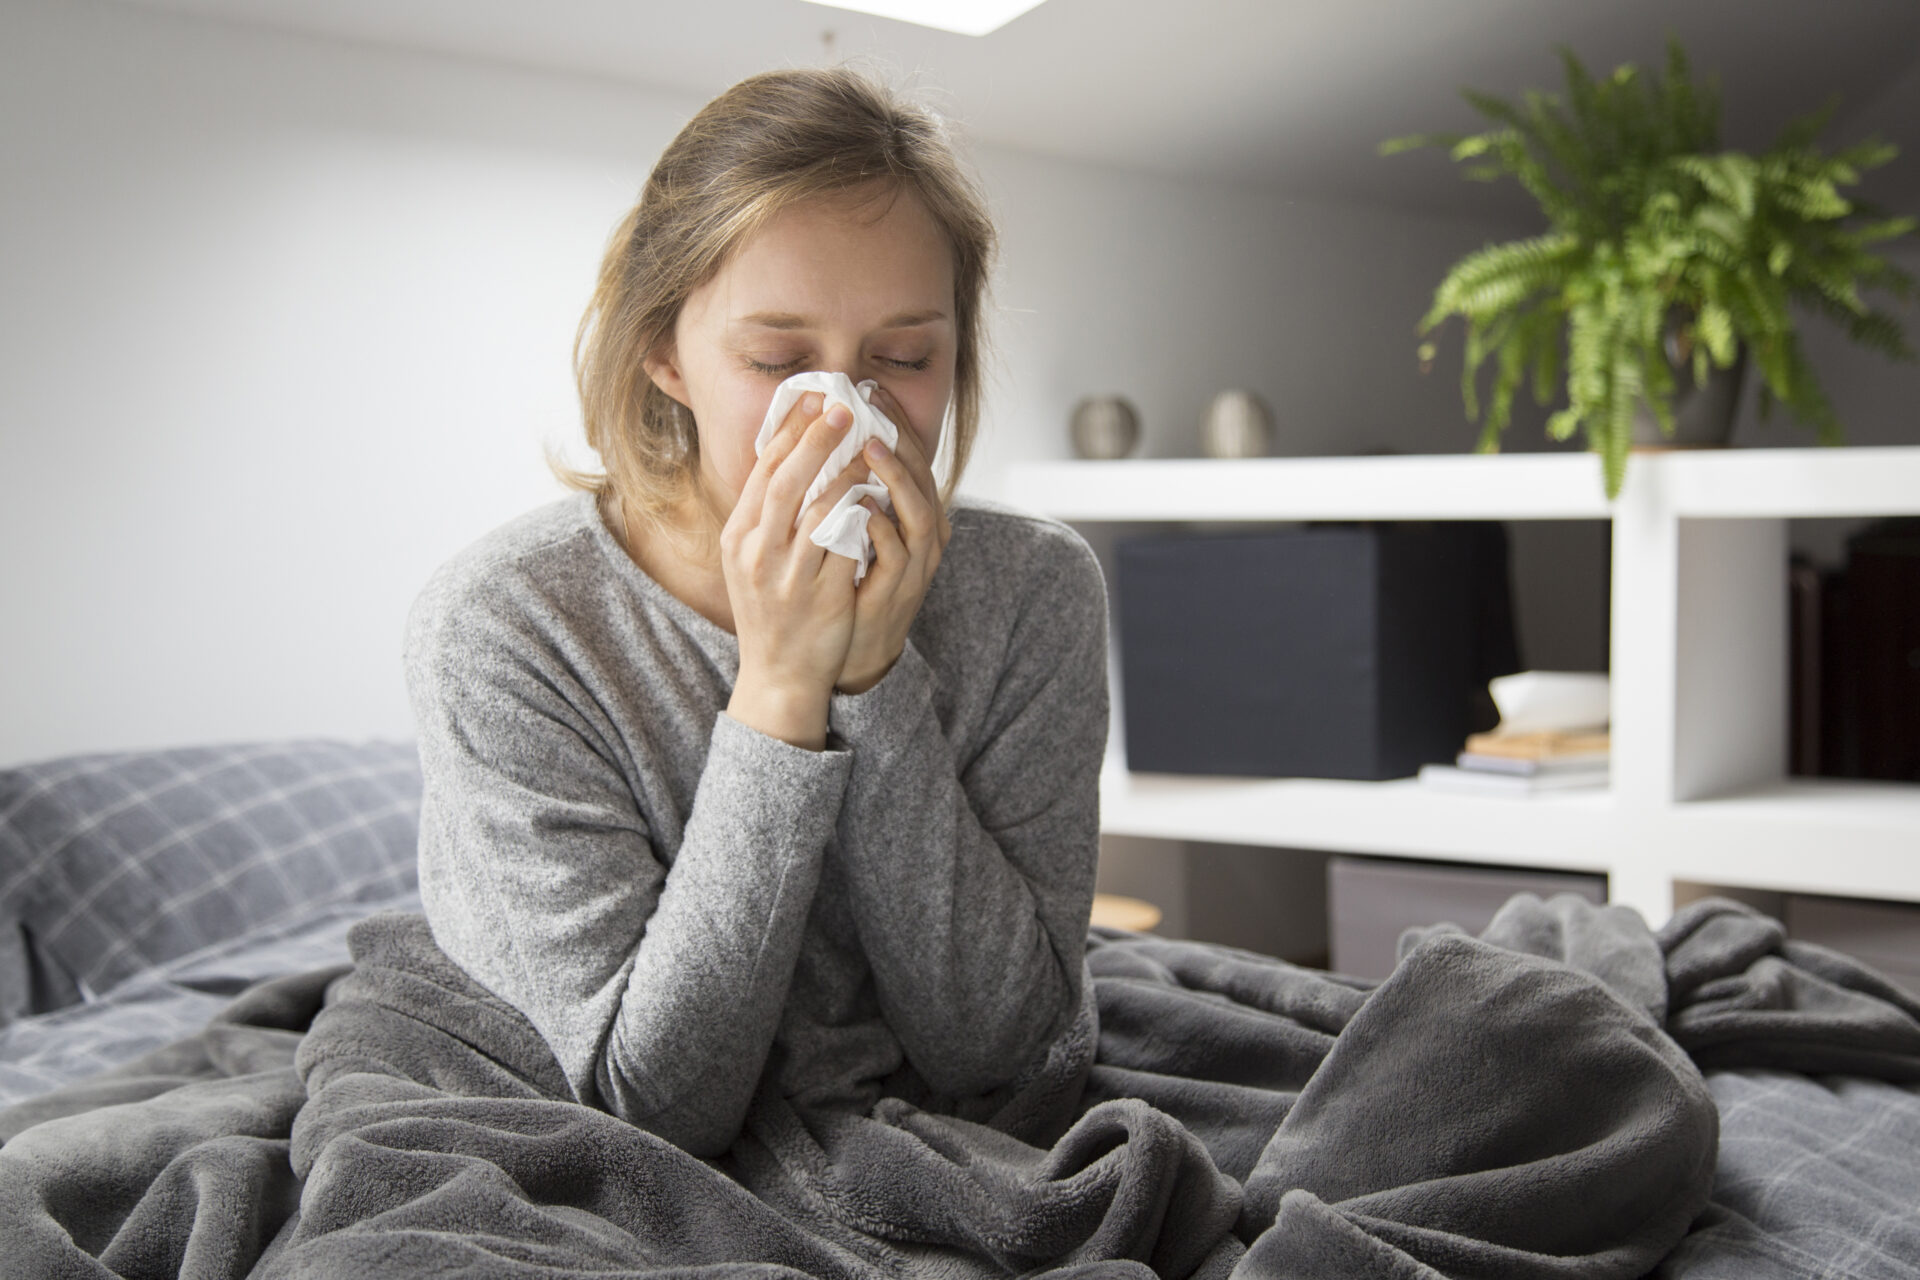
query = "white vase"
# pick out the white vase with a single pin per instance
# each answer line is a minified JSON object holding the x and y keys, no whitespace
{"x":1238,"y":425}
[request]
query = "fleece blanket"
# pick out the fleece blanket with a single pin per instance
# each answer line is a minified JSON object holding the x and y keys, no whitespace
{"x":1528,"y":1103}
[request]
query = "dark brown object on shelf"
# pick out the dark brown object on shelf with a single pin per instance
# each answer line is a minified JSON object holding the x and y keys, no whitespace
{"x":1883,"y":587}
{"x":1839,"y":737}
{"x":1854,"y":658}
{"x":1805,"y":593}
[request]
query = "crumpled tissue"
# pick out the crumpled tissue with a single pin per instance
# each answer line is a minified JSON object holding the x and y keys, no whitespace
{"x":844,"y":531}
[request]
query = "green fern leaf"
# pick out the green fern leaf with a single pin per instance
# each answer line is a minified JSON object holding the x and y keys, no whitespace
{"x":1714,"y":324}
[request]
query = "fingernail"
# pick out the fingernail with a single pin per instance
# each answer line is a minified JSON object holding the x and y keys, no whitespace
{"x":876,"y":450}
{"x":840,"y":416}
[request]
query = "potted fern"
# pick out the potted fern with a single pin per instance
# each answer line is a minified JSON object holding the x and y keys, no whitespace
{"x":1666,"y":265}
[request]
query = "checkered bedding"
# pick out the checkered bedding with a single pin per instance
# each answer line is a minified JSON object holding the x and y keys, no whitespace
{"x":141,"y":890}
{"x":1818,"y":1179}
{"x":170,"y":1002}
{"x":112,"y":864}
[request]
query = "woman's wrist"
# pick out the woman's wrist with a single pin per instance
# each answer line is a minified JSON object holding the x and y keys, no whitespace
{"x":795,"y":716}
{"x":856,"y":683}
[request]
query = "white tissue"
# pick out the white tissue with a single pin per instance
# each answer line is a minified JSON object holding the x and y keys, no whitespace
{"x":1551,"y":701}
{"x":844,"y":531}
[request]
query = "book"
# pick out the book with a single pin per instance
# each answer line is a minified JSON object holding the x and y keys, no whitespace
{"x":1532,"y":768}
{"x":1547,"y":745}
{"x":1447,"y":777}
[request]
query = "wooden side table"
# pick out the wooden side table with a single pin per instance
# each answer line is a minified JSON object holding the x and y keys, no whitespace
{"x":1116,"y":912}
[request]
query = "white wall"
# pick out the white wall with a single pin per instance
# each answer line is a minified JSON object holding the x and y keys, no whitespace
{"x":1168,"y":293}
{"x":286,"y":324}
{"x":287,"y":321}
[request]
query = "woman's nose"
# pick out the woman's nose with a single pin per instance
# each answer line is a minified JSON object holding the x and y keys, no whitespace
{"x":849,"y":361}
{"x":883,"y":400}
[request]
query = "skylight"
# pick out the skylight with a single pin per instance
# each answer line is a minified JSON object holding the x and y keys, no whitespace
{"x":968,"y":17}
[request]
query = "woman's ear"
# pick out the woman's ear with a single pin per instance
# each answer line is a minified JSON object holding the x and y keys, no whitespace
{"x":663,"y":366}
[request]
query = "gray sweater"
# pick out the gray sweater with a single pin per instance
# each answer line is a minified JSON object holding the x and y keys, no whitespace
{"x":684,"y":906}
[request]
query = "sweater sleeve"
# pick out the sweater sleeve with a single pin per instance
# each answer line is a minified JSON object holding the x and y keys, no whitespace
{"x":658,"y":988}
{"x":973,"y":882}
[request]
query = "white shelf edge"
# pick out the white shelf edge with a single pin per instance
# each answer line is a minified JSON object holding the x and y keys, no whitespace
{"x":1566,"y":831}
{"x":1790,"y":483}
{"x":1812,"y":482}
{"x":1806,"y":835}
{"x":1393,"y":487}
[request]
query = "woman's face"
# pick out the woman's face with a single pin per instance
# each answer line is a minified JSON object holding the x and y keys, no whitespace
{"x":853,"y":284}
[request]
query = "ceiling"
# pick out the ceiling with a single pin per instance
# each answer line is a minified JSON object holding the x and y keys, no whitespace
{"x":1286,"y":95}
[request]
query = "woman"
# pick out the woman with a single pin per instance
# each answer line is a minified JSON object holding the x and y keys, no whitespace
{"x":710,"y":815}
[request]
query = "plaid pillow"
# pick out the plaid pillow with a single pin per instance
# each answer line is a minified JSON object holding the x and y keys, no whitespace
{"x":112,"y":863}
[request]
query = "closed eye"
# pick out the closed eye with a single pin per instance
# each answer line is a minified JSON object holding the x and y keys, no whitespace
{"x":924,"y":362}
{"x":758,"y":367}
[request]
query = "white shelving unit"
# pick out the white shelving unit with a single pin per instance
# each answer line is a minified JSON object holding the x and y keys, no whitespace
{"x":1699,"y":792}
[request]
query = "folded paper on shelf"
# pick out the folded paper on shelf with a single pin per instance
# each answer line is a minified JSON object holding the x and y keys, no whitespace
{"x":844,"y":531}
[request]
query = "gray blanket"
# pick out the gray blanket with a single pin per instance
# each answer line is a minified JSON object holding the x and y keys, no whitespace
{"x":1524,"y":1104}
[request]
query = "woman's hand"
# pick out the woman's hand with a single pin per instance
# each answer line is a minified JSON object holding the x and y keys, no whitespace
{"x":793,"y":611}
{"x":906,"y":551}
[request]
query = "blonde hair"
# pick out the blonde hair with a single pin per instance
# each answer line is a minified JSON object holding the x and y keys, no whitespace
{"x":771,"y":141}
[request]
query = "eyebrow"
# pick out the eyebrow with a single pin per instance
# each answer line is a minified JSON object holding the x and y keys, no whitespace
{"x":788,"y":320}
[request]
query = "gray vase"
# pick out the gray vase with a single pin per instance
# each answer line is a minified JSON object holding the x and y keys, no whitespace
{"x":1105,"y":427}
{"x":1702,"y":415}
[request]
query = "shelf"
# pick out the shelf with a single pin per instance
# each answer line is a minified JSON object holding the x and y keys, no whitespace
{"x":1698,"y":656}
{"x":1787,"y":484}
{"x":1720,"y":483}
{"x":1572,"y":831}
{"x":1805,"y":835}
{"x":1511,"y":486}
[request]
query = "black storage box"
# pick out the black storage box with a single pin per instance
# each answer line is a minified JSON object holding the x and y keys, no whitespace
{"x":1326,"y":651}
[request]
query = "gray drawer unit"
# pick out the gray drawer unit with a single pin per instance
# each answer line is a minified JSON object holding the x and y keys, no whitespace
{"x":1885,"y":935}
{"x":1370,"y":901}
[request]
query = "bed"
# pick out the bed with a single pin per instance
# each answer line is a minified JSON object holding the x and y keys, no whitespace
{"x":228,"y":1048}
